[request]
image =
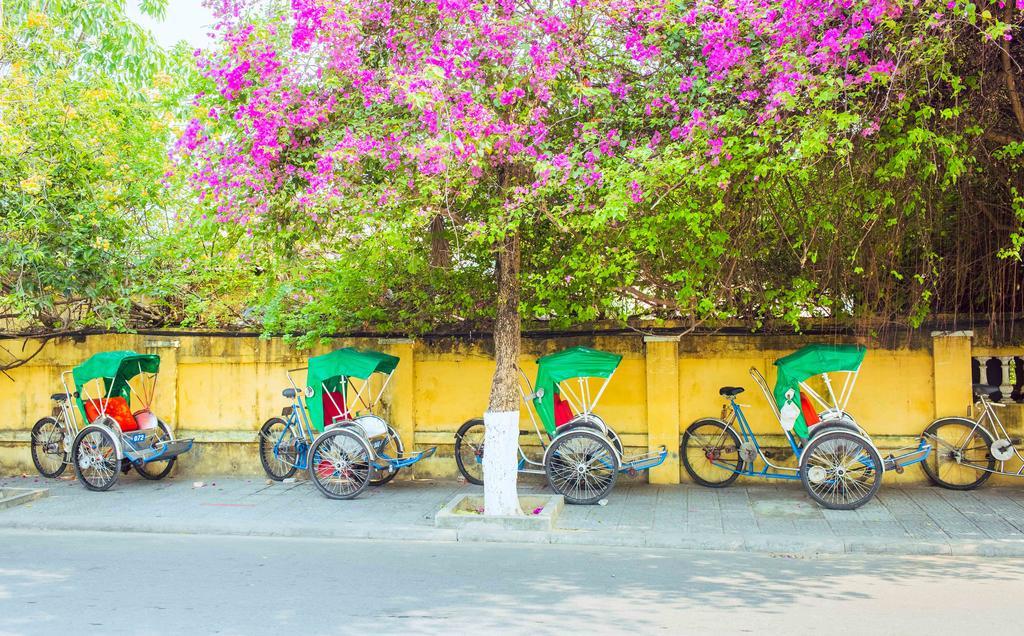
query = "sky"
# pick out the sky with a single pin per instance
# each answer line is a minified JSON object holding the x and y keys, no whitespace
{"x":186,"y":20}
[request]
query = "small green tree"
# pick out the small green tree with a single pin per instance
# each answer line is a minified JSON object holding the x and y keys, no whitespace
{"x":83,"y":145}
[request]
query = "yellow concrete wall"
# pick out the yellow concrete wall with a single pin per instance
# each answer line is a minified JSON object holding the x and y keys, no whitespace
{"x":221,"y":389}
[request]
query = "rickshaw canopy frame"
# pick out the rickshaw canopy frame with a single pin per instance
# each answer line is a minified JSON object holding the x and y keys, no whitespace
{"x":572,"y":363}
{"x":116,"y":369}
{"x":817,"y":359}
{"x":333,"y":372}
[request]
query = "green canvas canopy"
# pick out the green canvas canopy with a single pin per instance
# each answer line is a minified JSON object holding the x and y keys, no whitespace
{"x":115,"y":368}
{"x":577,"y":362}
{"x":332,"y":370}
{"x":813,"y":360}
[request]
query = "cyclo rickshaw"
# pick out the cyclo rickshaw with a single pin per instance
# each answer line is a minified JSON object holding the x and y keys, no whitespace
{"x":838,"y":464}
{"x":324,"y":431}
{"x":114,"y":438}
{"x":582,"y":455}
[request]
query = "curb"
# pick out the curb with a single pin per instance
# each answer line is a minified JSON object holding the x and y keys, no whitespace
{"x":11,"y":497}
{"x":759,"y":543}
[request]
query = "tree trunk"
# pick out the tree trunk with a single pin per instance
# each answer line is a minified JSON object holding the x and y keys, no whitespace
{"x":501,"y":421}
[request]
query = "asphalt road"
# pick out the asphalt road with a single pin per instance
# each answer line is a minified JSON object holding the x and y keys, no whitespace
{"x":100,"y":583}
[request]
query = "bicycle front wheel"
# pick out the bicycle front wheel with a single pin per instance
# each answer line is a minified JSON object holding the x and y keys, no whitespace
{"x":710,"y":451}
{"x":961,"y":458}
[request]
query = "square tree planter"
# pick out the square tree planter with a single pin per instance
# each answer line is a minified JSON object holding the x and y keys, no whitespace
{"x":461,"y":512}
{"x":10,"y":497}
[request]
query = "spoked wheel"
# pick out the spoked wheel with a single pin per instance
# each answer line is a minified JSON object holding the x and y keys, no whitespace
{"x":961,"y":457}
{"x":49,"y":447}
{"x":841,"y":470}
{"x":340,"y":463}
{"x":469,"y":451}
{"x":94,"y":454}
{"x":389,"y":447}
{"x":155,"y":471}
{"x":581,"y":466}
{"x":278,"y":435}
{"x":710,"y":451}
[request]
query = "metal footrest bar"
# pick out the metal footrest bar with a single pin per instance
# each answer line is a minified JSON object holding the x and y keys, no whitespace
{"x":646,"y":461}
{"x":403,"y":462}
{"x":908,"y":456}
{"x":159,"y":451}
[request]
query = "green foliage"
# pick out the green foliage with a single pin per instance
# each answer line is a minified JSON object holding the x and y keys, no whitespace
{"x":83,"y":144}
{"x":880,"y":202}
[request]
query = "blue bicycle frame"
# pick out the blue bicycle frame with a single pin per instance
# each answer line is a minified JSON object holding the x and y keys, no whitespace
{"x":296,"y":418}
{"x":746,"y":434}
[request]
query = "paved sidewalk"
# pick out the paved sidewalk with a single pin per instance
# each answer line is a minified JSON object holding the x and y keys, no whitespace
{"x":757,"y":518}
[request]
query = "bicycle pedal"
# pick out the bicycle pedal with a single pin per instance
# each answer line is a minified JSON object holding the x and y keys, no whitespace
{"x":892,"y":464}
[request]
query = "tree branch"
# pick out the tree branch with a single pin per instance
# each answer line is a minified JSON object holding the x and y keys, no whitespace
{"x":1011,"y":82}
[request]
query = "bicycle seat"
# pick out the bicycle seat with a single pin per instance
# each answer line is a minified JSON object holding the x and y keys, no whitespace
{"x":730,"y":391}
{"x":289,"y":393}
{"x":60,"y":397}
{"x":986,"y":390}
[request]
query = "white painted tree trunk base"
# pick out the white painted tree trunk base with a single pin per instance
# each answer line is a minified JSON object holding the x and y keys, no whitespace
{"x":501,"y":439}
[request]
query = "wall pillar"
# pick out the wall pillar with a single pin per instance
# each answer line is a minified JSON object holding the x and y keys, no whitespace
{"x":662,"y":360}
{"x":951,"y":357}
{"x":166,"y":398}
{"x":402,"y":391}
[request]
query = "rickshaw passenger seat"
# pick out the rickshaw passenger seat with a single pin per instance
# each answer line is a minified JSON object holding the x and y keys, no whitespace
{"x":730,"y":391}
{"x":289,"y":393}
{"x":117,"y":409}
{"x":563,"y":412}
{"x":334,"y":406}
{"x":810,"y":415}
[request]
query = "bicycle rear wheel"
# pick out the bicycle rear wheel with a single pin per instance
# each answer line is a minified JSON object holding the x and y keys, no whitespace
{"x":49,"y":452}
{"x":960,"y":457}
{"x":279,"y":447}
{"x":469,"y":451}
{"x":710,"y":451}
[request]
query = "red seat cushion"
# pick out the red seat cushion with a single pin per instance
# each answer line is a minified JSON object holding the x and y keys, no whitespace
{"x":334,"y":407}
{"x":810,"y":415}
{"x":117,"y":408}
{"x":563,"y":412}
